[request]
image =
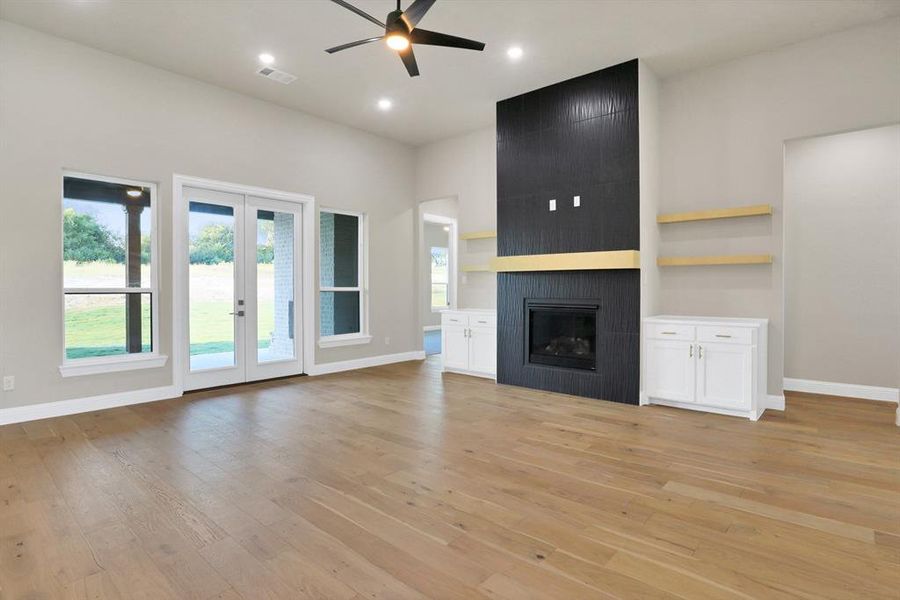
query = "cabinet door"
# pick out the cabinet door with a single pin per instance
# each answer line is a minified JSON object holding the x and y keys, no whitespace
{"x":454,"y":346}
{"x":483,"y":350}
{"x":670,"y":370}
{"x":724,"y":375}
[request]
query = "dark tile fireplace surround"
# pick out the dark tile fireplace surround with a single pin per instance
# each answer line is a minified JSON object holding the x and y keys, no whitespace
{"x":575,"y":332}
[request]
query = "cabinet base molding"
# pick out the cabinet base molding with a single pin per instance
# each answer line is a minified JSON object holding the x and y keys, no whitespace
{"x":753,"y":415}
{"x":491,"y":376}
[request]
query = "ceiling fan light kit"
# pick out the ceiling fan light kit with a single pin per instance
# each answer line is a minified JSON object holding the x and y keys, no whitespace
{"x":401,"y":33}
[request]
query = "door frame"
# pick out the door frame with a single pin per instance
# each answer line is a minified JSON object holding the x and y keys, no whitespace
{"x":180,"y":257}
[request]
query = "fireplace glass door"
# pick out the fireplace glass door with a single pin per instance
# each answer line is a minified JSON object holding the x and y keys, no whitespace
{"x":562,"y":335}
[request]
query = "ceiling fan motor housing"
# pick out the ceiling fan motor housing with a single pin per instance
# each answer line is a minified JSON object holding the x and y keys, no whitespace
{"x":396,"y":25}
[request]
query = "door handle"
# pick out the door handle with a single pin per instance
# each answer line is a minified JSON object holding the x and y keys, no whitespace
{"x":699,"y":351}
{"x":239,"y":313}
{"x":691,"y":351}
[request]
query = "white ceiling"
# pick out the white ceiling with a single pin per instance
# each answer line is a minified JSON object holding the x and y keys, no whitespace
{"x":218,"y":41}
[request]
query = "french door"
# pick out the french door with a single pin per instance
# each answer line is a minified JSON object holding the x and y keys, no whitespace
{"x":244,"y":290}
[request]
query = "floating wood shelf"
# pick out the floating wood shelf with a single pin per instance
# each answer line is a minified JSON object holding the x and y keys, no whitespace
{"x":733,"y":259}
{"x":478,"y":235}
{"x":717,"y":213}
{"x":572,"y":261}
{"x":477,"y":268}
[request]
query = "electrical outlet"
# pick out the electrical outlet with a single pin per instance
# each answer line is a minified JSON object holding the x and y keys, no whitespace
{"x":553,"y":205}
{"x":576,"y":201}
{"x":9,"y":383}
{"x":387,"y":341}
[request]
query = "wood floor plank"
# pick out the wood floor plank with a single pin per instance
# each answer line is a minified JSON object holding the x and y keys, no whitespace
{"x":403,"y":483}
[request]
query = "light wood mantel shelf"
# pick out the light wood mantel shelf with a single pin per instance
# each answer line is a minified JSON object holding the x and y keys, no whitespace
{"x":732,"y":259}
{"x":571,"y":261}
{"x":478,"y":235}
{"x":716,"y":213}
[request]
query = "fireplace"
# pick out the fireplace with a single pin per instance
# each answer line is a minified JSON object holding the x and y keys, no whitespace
{"x":562,"y":333}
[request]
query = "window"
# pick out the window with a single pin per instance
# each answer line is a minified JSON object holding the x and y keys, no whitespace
{"x":109,"y":277}
{"x":342,"y":295}
{"x":440,"y":281}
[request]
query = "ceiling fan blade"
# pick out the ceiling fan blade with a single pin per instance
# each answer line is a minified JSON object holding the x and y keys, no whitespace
{"x":353,"y":44}
{"x":416,"y":11}
{"x":409,"y":61}
{"x":433,"y":38}
{"x":361,"y":13}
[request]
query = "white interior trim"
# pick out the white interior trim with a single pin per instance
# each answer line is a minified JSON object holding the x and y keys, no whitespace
{"x":126,"y":362}
{"x":180,"y":353}
{"x":849,"y":390}
{"x":774,"y":402}
{"x":61,"y":408}
{"x":348,"y":339}
{"x":363,"y":363}
{"x":431,"y":328}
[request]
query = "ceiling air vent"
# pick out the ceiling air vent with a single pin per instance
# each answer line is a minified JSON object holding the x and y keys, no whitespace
{"x":276,"y":75}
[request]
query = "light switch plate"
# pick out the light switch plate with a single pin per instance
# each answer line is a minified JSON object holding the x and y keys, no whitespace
{"x":576,"y":201}
{"x":553,"y":205}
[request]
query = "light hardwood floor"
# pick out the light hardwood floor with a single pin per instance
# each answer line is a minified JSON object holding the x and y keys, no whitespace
{"x":397,"y":482}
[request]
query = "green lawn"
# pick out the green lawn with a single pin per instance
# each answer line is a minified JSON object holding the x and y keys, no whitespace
{"x":95,"y":325}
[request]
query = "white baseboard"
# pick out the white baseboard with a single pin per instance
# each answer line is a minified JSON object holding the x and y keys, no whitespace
{"x":431,"y":328}
{"x":774,"y":402}
{"x":850,"y":390}
{"x":363,"y":363}
{"x":61,"y":408}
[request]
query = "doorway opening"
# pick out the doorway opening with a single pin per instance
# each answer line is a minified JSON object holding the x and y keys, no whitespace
{"x":842,"y":264}
{"x":438,"y":275}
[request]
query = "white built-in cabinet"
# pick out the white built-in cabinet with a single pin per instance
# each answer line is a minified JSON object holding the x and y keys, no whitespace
{"x":469,"y":342}
{"x":711,"y":364}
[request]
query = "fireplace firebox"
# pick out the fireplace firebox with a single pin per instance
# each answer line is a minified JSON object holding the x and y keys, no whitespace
{"x":562,"y":333}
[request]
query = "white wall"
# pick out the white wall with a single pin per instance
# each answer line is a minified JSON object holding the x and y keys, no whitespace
{"x":842,"y":258}
{"x":723,"y":134}
{"x":66,"y":106}
{"x":465,"y":167}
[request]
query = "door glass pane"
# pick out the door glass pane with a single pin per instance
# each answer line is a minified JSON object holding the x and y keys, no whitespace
{"x":339,"y":313}
{"x":211,"y":281}
{"x":338,"y":250}
{"x":107,"y":325}
{"x":275,"y":285}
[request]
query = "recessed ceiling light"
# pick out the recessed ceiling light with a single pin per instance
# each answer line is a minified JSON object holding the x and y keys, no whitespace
{"x":514,"y":52}
{"x":135,"y":193}
{"x":266,"y":59}
{"x":385,"y":104}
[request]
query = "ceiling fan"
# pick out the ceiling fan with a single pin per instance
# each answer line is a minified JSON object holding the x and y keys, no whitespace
{"x":400,"y":33}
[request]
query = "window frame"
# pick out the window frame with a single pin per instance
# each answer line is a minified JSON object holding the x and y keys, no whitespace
{"x":71,"y":367}
{"x":362,"y":280}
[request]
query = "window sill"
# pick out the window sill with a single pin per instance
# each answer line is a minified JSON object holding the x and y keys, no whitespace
{"x":350,"y":339}
{"x":96,"y":366}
